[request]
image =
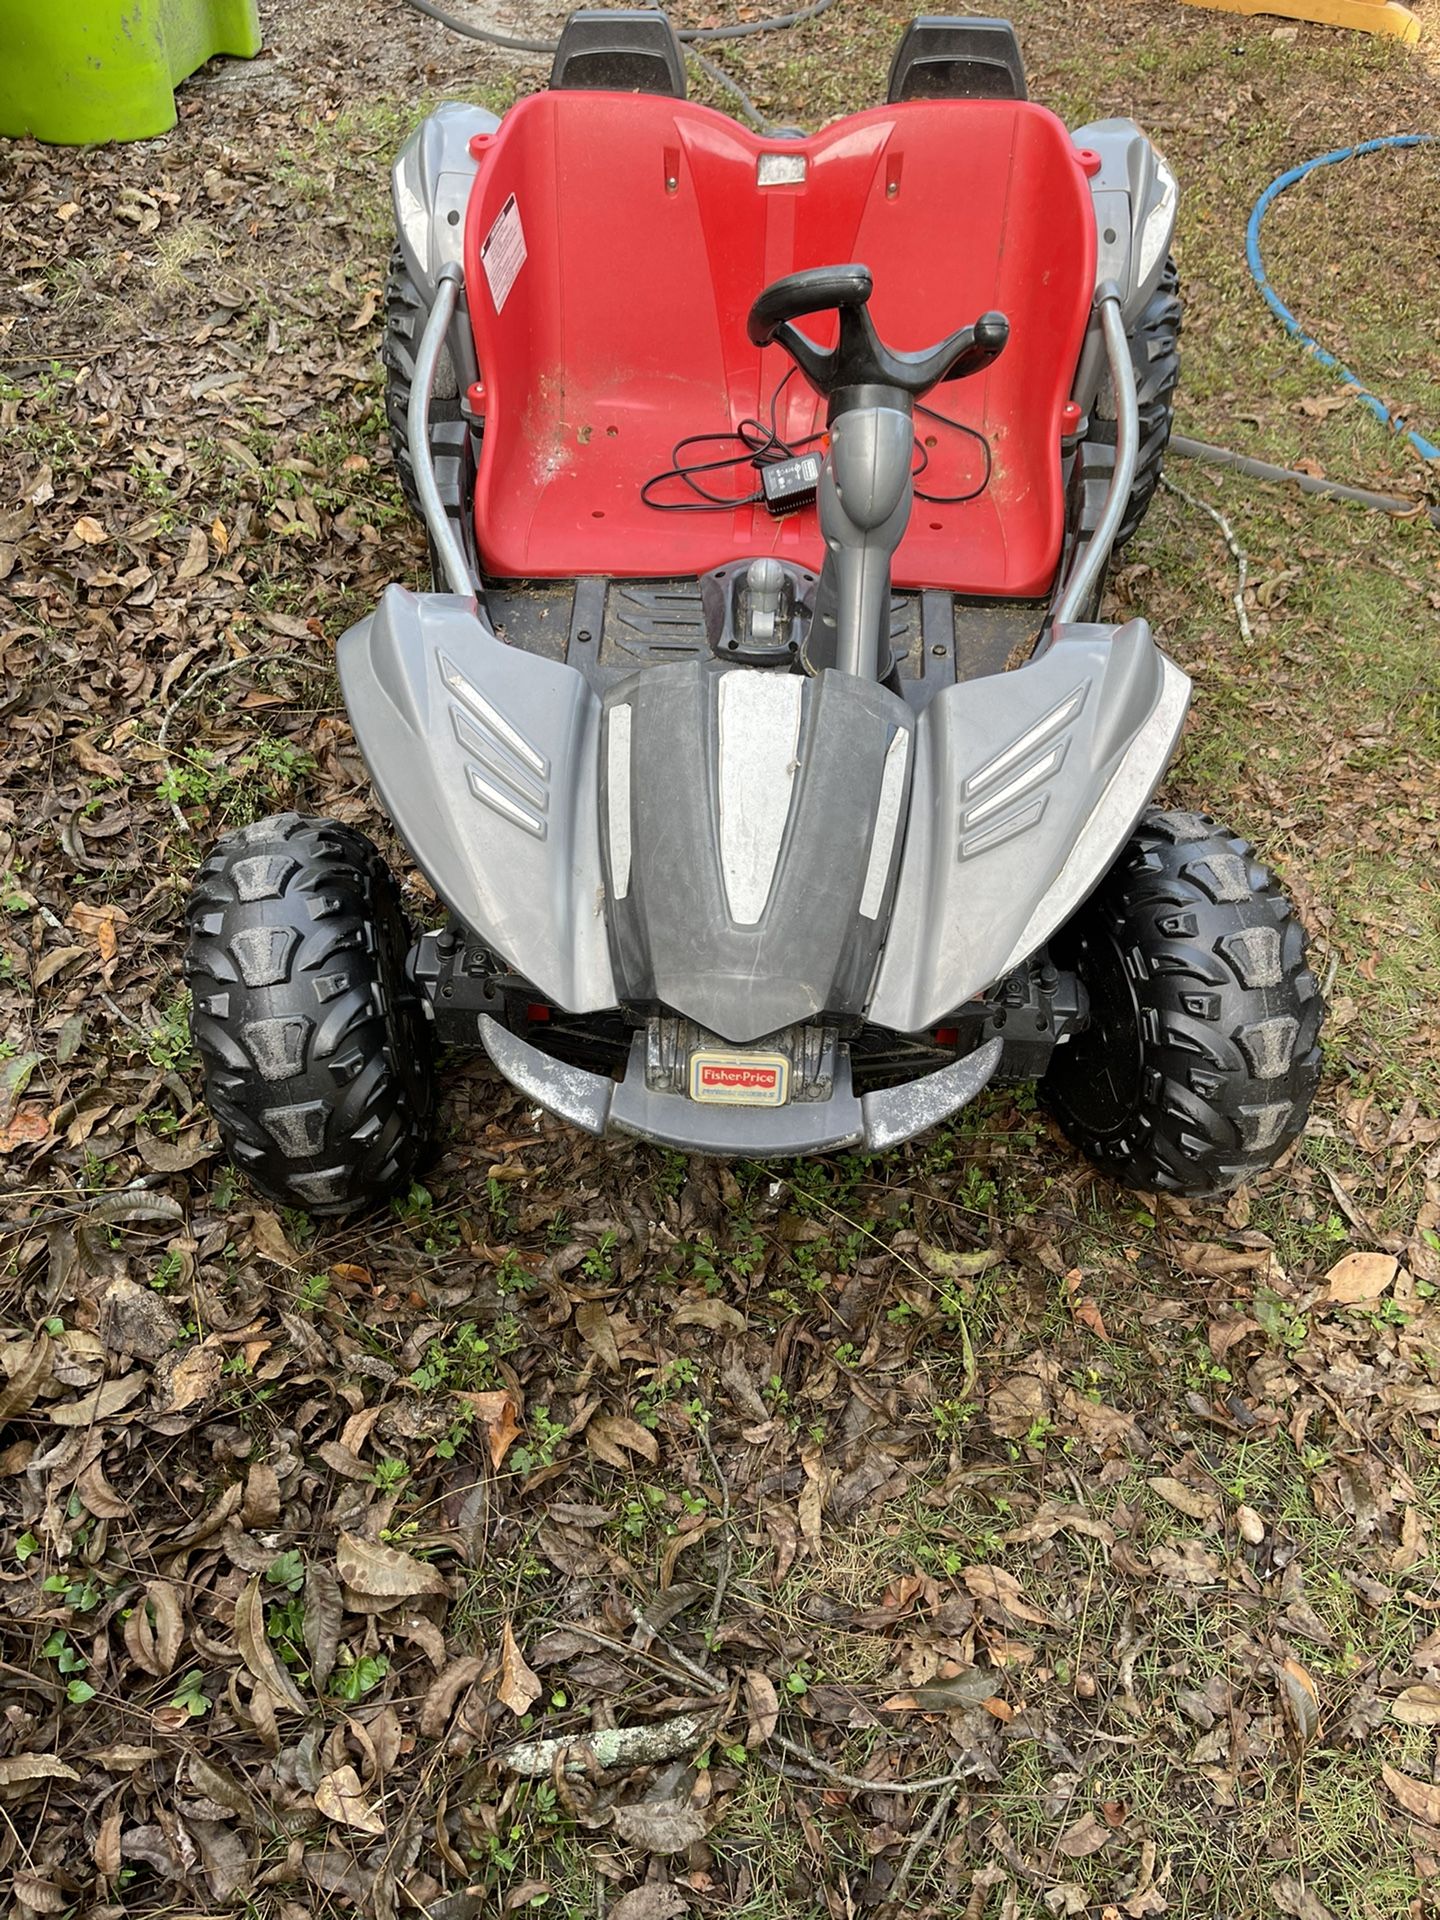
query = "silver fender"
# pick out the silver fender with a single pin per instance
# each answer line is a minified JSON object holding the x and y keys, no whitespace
{"x":1026,"y":786}
{"x":1135,"y":198}
{"x":486,"y":759}
{"x":430,"y":185}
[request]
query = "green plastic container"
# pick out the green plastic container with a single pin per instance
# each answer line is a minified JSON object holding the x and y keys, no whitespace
{"x":77,"y":71}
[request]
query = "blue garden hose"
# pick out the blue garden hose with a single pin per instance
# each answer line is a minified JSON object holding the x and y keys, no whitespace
{"x":1425,"y":448}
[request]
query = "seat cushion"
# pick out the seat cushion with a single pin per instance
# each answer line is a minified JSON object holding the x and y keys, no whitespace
{"x":613,"y":248}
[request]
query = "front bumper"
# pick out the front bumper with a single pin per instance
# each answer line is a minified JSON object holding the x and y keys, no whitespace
{"x":870,"y":1121}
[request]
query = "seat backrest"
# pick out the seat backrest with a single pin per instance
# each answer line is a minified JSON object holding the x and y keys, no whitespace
{"x":614,"y":245}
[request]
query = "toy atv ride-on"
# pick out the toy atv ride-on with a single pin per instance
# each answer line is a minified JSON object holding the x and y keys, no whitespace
{"x":780,"y":783}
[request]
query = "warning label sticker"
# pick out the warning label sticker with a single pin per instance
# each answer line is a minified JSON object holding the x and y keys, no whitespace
{"x":502,"y":253}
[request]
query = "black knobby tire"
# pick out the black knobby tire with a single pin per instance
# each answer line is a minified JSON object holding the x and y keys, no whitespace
{"x":317,"y":1053}
{"x":405,"y":317}
{"x":1202,"y":1055}
{"x":1155,"y":353}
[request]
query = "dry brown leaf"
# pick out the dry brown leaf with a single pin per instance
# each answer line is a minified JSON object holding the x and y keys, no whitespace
{"x":611,"y":1436}
{"x":30,"y":1374}
{"x":217,"y":1783}
{"x":100,"y":924}
{"x":108,"y":1399}
{"x":123,"y":1757}
{"x":261,"y":1505}
{"x":344,"y":1461}
{"x":1360,"y":1277}
{"x":496,"y":1414}
{"x":1418,"y":1706}
{"x":957,"y":1266}
{"x":324,"y":1617}
{"x":593,"y":1325}
{"x":197,"y":556}
{"x":89,"y":530}
{"x":169,"y":1635}
{"x":30,"y":1126}
{"x":718,"y":1315}
{"x":189,"y":1378}
{"x":37,"y":1894}
{"x":1302,"y":1702}
{"x":22,"y":1767}
{"x":107,"y":1844}
{"x":444,"y":1690}
{"x":270,"y":1241}
{"x":255,"y":1648}
{"x":1087,"y":1311}
{"x":1088,"y":1835}
{"x":384,"y":1572}
{"x":442,"y":1693}
{"x":764,"y":1706}
{"x":1293,"y":1897}
{"x":1054,"y":1517}
{"x":972,"y":1688}
{"x":660,"y":1826}
{"x":1200,"y":1505}
{"x":341,"y":1799}
{"x":993,"y":1586}
{"x":1416,"y":1796}
{"x":519,"y":1686}
{"x":656,"y":1900}
{"x":99,"y":1497}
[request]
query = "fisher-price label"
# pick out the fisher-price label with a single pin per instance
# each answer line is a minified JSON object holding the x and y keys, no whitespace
{"x":502,"y":253}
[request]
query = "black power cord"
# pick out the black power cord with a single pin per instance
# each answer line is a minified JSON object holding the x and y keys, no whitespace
{"x":761,"y":446}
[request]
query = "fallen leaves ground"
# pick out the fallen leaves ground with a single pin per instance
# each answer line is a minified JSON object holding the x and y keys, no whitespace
{"x":598,"y":1532}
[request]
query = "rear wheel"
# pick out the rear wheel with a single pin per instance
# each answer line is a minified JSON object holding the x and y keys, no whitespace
{"x":316,"y":1049}
{"x":1155,"y":354}
{"x":1201,"y":1058}
{"x":405,"y":317}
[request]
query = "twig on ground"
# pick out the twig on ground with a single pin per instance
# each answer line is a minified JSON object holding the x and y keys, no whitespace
{"x":722,"y":1581}
{"x":712,"y":1686}
{"x":853,"y":1780}
{"x":119,"y":1012}
{"x":919,"y":1843}
{"x":796,"y":1752}
{"x":192,"y":687}
{"x":1242,"y":559}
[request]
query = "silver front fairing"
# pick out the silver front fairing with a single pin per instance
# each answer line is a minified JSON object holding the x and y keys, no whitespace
{"x":750,"y":848}
{"x":486,"y":759}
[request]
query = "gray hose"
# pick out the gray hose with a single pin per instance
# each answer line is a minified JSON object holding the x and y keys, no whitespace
{"x":515,"y":43}
{"x":1307,"y":482}
{"x":693,"y":39}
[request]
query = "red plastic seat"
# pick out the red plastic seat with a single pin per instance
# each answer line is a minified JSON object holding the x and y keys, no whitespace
{"x":647,"y":235}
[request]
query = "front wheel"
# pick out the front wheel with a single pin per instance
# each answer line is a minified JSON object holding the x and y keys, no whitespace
{"x":316,"y":1049}
{"x":1202,"y":1054}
